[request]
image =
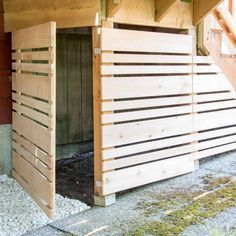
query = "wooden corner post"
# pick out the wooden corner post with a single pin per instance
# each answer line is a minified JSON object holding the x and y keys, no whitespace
{"x":99,"y":199}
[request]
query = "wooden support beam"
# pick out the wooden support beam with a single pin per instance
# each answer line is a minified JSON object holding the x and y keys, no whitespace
{"x":67,"y":14}
{"x":201,"y":8}
{"x":113,"y":6}
{"x":162,"y":8}
{"x":97,"y":111}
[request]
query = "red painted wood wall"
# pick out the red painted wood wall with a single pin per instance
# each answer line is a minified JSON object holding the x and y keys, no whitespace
{"x":5,"y":72}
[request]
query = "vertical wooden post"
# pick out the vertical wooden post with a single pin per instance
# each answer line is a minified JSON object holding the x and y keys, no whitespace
{"x":99,"y":199}
{"x":97,"y":111}
{"x":194,"y":96}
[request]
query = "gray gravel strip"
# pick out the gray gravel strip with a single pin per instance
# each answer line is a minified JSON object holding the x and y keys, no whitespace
{"x":19,"y":213}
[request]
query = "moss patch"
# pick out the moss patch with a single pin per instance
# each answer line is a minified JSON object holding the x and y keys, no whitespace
{"x":221,"y":196}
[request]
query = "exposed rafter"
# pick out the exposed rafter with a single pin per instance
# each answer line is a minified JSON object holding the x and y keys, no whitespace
{"x":163,"y":7}
{"x":113,"y":6}
{"x":202,"y":8}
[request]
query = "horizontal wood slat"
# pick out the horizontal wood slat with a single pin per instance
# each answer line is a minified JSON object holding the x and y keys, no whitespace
{"x":121,"y":134}
{"x":38,"y":187}
{"x":32,"y":102}
{"x":37,"y":152}
{"x":145,"y":114}
{"x":139,"y":175}
{"x":33,"y":114}
{"x":145,"y":103}
{"x":40,"y":137}
{"x":32,"y":55}
{"x":126,"y":40}
{"x":32,"y":67}
{"x":32,"y":85}
{"x":40,"y":36}
{"x":147,"y":157}
{"x":134,"y":87}
{"x":127,"y":70}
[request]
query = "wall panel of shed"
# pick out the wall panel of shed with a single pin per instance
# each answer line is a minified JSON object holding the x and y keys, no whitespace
{"x":74,"y":88}
{"x":161,"y":108}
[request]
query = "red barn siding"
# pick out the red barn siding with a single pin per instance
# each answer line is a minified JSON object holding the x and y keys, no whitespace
{"x":5,"y":72}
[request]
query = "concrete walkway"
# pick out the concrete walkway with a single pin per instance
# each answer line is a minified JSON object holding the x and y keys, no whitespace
{"x":135,"y":212}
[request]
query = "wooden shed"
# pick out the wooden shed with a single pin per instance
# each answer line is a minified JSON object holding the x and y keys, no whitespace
{"x":122,"y":78}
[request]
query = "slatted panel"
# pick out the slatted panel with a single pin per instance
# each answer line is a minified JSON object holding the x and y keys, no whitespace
{"x":33,"y":94}
{"x":214,"y":111}
{"x":146,"y":107}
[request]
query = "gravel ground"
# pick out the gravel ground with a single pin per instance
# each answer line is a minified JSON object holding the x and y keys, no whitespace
{"x":19,"y":213}
{"x":124,"y":216}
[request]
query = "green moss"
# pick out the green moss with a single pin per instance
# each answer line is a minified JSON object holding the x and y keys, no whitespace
{"x":195,"y":212}
{"x":213,"y":183}
{"x":166,"y":202}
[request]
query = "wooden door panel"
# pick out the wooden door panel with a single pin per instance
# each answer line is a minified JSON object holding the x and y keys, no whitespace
{"x":33,"y":92}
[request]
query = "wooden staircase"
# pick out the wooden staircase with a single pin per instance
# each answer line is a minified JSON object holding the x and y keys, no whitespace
{"x":227,"y":22}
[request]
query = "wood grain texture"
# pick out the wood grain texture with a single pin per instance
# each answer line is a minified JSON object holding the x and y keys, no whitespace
{"x":202,"y":8}
{"x":33,"y":117}
{"x":66,"y":14}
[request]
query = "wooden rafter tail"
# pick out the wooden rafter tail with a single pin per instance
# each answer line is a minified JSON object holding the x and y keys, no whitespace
{"x":162,"y":8}
{"x":113,"y":6}
{"x":202,"y":8}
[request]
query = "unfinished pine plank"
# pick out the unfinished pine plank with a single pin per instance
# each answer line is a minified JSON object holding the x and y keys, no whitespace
{"x":40,"y":137}
{"x":146,"y":146}
{"x":40,"y":166}
{"x":114,"y":135}
{"x":210,"y":120}
{"x":214,"y":97}
{"x":216,"y":142}
{"x":139,"y":175}
{"x":134,"y":87}
{"x":206,"y":69}
{"x":126,"y":40}
{"x":145,"y":114}
{"x":37,"y":185}
{"x":34,"y":115}
{"x":147,"y":157}
{"x":31,"y":192}
{"x":32,"y":85}
{"x":210,"y":83}
{"x":203,"y":60}
{"x":215,"y":133}
{"x":44,"y":157}
{"x":140,"y":58}
{"x":40,"y":36}
{"x":32,"y":67}
{"x":32,"y":102}
{"x":127,"y":70}
{"x":214,"y":106}
{"x":145,"y":103}
{"x":33,"y":55}
{"x":214,"y":151}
